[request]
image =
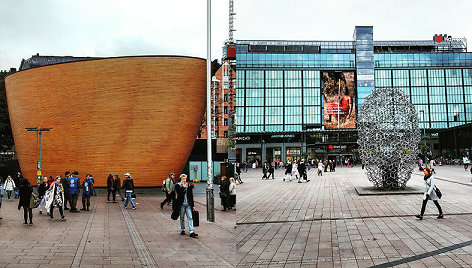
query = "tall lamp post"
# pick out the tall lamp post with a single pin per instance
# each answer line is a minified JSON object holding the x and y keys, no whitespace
{"x":39,"y":133}
{"x":424,"y":133}
{"x":209,"y":191}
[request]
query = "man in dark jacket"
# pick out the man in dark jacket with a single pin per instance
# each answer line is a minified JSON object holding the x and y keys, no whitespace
{"x":302,"y":171}
{"x":86,"y":193}
{"x":168,"y":189}
{"x":271,"y":170}
{"x":128,"y":185}
{"x":224,"y":193}
{"x":184,"y":204}
{"x":110,"y":187}
{"x":116,"y":188}
{"x":74,"y":183}
{"x":65,"y":185}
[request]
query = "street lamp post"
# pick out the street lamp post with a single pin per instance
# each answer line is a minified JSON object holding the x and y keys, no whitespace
{"x":39,"y":133}
{"x":424,"y":133}
{"x":209,"y":190}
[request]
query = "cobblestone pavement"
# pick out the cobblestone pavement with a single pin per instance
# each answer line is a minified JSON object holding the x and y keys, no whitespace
{"x":325,"y":223}
{"x":110,"y":236}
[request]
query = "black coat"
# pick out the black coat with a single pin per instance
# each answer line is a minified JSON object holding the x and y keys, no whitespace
{"x":110,"y":183}
{"x":288,"y":168}
{"x":25,"y":195}
{"x":42,"y":189}
{"x":179,"y":200}
{"x":301,"y":168}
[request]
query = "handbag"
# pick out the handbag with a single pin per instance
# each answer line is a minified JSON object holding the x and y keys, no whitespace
{"x":196,"y":218}
{"x":438,"y":192}
{"x":34,"y":201}
{"x":133,"y":195}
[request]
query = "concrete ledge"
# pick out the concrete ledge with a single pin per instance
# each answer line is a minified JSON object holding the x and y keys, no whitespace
{"x":373,"y":191}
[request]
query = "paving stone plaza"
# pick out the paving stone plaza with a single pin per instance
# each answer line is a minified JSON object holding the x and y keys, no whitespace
{"x":110,"y":236}
{"x":326,"y":223}
{"x":322,"y":223}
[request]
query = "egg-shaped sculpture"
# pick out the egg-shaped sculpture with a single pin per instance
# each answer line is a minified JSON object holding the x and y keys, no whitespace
{"x":137,"y":115}
{"x":388,"y":137}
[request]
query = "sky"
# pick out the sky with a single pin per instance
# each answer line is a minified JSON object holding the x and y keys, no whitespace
{"x":109,"y":28}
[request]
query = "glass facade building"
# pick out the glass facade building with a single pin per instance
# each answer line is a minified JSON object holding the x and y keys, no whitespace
{"x":281,"y":89}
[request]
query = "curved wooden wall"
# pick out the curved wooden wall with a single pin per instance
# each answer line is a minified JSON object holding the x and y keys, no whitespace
{"x":116,"y":115}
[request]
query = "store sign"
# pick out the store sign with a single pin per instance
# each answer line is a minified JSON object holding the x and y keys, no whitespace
{"x":283,"y":136}
{"x":246,"y":138}
{"x":434,"y":134}
{"x":251,"y":153}
{"x":442,"y":37}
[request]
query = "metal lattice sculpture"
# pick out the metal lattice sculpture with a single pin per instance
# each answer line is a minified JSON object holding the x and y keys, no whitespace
{"x":388,"y":137}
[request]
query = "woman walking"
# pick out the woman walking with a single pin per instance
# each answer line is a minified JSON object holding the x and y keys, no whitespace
{"x":429,"y":193}
{"x":184,"y":204}
{"x":25,"y":196}
{"x":55,"y":198}
{"x":43,"y":187}
{"x":9,"y":186}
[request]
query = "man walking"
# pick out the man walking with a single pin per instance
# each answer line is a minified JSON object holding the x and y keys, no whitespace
{"x":87,"y":191}
{"x":65,"y":185}
{"x":117,"y":188}
{"x":271,"y":170}
{"x":74,"y":183}
{"x":302,"y":171}
{"x":168,"y":189}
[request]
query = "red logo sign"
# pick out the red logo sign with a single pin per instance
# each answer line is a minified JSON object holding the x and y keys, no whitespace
{"x":439,"y":39}
{"x":330,"y":147}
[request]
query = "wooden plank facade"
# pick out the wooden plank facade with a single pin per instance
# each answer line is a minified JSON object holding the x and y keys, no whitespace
{"x":115,"y":115}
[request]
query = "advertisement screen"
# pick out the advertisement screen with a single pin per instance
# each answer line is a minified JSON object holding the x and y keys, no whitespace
{"x":339,"y":94}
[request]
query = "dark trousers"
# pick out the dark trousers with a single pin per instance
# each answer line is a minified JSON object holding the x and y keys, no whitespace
{"x":86,"y":201}
{"x":423,"y":207}
{"x":265,"y":175}
{"x":168,"y":199}
{"x":51,"y":211}
{"x":225,"y":201}
{"x":73,"y":204}
{"x":271,"y":173}
{"x":121,"y":195}
{"x":26,"y":212}
{"x":66,"y":199}
{"x":232,"y":201}
{"x":238,"y":178}
{"x":109,"y":192}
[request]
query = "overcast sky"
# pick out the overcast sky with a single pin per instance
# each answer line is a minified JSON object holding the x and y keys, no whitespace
{"x":105,"y":28}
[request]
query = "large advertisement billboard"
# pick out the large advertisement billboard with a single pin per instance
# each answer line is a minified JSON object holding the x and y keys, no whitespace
{"x":339,"y":92}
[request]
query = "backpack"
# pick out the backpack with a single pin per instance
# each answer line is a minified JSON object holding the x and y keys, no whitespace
{"x":164,"y":186}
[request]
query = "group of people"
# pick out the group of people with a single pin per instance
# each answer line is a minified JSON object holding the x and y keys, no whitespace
{"x":114,"y":186}
{"x":228,"y":193}
{"x":297,"y":170}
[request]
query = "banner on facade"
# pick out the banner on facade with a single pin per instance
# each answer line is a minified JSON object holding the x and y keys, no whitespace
{"x":339,"y":94}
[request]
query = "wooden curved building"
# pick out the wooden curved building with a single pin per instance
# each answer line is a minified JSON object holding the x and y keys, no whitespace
{"x":115,"y":115}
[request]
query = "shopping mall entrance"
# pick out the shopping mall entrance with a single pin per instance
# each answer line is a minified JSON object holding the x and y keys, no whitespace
{"x":273,"y":154}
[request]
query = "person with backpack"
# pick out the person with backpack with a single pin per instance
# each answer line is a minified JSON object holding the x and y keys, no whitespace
{"x":86,"y":193}
{"x":168,"y":188}
{"x":25,"y":191}
{"x":74,"y":184}
{"x":55,"y":198}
